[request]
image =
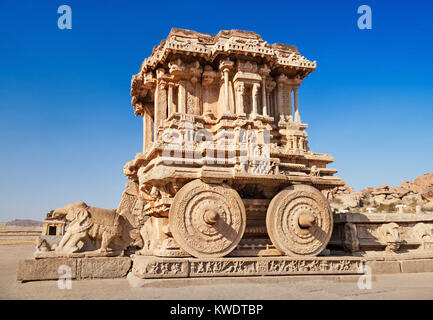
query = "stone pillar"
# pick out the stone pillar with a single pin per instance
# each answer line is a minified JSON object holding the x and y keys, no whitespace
{"x":170,"y":99}
{"x":207,"y":79}
{"x":163,"y":102}
{"x":226,"y":91}
{"x":270,"y":85}
{"x":155,"y":112}
{"x":240,"y":91}
{"x":289,"y":113}
{"x":181,"y":96}
{"x":160,"y":105}
{"x":264,"y":97}
{"x":147,"y":131}
{"x":268,"y":102}
{"x":295,"y":98}
{"x":284,"y":105}
{"x":264,"y":72}
{"x":255,"y":94}
{"x":280,"y":102}
{"x":225,"y":66}
{"x":197,"y":94}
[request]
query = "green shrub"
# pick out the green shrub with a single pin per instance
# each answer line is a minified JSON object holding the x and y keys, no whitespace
{"x":337,"y":200}
{"x":386,"y":207}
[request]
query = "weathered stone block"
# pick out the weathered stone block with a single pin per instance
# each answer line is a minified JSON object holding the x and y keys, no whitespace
{"x":104,"y":268}
{"x":81,"y":268}
{"x":378,"y":267}
{"x":414,"y":266}
{"x":44,"y":269}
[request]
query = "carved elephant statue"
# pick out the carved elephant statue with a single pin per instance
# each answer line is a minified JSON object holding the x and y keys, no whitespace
{"x":390,"y":234}
{"x":423,"y":233}
{"x":86,"y":224}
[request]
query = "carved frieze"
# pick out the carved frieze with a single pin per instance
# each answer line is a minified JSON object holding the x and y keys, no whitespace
{"x":148,"y":267}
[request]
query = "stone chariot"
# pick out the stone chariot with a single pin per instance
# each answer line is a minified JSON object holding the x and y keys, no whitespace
{"x":226,"y":169}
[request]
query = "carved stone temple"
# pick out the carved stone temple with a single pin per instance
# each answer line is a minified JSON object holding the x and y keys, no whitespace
{"x":226,"y":183}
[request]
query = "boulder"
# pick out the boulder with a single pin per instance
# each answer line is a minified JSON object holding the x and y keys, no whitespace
{"x":427,"y":194}
{"x":422,"y":183}
{"x":379,"y":199}
{"x":428,"y":206}
{"x":390,"y":201}
{"x":412,"y":199}
{"x":346,"y":201}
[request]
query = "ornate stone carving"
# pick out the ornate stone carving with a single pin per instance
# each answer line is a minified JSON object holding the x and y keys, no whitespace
{"x":207,"y":220}
{"x":423,"y":233}
{"x":90,"y":229}
{"x":299,"y":221}
{"x":148,"y":267}
{"x":390,"y":234}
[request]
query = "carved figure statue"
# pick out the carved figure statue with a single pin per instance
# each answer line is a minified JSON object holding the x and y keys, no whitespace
{"x":100,"y":225}
{"x":424,"y":234}
{"x":390,"y":234}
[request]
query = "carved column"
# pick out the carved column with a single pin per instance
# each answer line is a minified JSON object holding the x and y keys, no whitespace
{"x":147,"y":131}
{"x":177,"y":74}
{"x":160,"y":111}
{"x":226,"y":91}
{"x":264,"y":100}
{"x":160,"y":102}
{"x":295,"y":97}
{"x":208,"y":77}
{"x":284,"y":104}
{"x":270,"y":85}
{"x":264,"y":72}
{"x":181,"y":96}
{"x":225,"y":66}
{"x":255,"y":94}
{"x":275,"y":105}
{"x":280,"y":102}
{"x":163,"y":106}
{"x":155,"y":112}
{"x":289,"y":114}
{"x":195,"y":72}
{"x":240,"y":91}
{"x":170,"y":99}
{"x":197,"y":109}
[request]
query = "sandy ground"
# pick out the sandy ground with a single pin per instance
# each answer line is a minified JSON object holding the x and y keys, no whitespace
{"x":396,"y":286}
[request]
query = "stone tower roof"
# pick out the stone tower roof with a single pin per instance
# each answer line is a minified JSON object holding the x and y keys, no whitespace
{"x":227,"y":42}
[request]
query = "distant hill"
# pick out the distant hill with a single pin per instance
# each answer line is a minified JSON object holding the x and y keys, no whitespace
{"x":24,"y":223}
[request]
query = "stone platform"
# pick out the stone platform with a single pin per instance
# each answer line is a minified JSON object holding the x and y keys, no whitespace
{"x":147,"y":267}
{"x":81,"y":268}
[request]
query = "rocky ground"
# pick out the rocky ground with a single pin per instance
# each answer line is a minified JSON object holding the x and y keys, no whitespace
{"x":406,"y":197}
{"x":392,"y":286}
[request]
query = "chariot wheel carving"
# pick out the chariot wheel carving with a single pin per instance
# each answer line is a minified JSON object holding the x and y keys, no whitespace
{"x":299,"y":221}
{"x":207,"y":220}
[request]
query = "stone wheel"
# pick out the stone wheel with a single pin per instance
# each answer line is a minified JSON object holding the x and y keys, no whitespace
{"x":207,"y":220}
{"x":299,"y":221}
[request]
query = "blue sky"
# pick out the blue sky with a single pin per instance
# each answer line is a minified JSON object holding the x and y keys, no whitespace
{"x":67,"y":126}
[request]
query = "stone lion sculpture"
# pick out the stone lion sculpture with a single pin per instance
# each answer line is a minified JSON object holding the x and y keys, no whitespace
{"x":93,"y":226}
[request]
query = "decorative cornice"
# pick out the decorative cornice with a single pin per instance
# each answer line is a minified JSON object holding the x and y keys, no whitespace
{"x":244,"y":43}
